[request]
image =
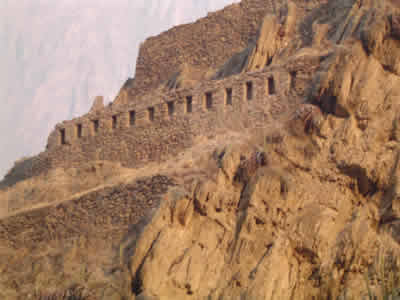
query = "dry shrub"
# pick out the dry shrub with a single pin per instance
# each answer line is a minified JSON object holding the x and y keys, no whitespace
{"x":72,"y":293}
{"x":381,"y":281}
{"x":383,"y":278}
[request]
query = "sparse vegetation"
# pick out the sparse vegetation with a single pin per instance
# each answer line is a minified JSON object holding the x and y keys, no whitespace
{"x":73,"y":293}
{"x":381,"y":282}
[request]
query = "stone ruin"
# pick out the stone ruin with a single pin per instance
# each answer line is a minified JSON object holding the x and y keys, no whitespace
{"x":158,"y":125}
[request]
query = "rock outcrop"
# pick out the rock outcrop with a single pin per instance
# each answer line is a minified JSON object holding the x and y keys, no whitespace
{"x":324,"y":208}
{"x":274,"y":37}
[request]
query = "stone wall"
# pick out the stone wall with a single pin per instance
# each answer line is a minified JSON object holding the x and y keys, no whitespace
{"x":207,"y":43}
{"x":106,"y":214}
{"x":133,"y":135}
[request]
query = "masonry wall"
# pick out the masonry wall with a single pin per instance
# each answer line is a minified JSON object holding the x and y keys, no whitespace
{"x":172,"y":129}
{"x":105,"y":214}
{"x":207,"y":43}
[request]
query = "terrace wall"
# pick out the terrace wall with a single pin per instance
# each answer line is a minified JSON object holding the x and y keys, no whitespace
{"x":172,"y":129}
{"x":106,"y":213}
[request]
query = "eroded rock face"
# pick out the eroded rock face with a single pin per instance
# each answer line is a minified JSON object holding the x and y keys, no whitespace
{"x":322,"y":208}
{"x":273,"y":233}
{"x":274,"y":35}
{"x":284,"y":229}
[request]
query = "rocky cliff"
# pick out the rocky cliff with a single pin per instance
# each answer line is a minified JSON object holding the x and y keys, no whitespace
{"x":304,"y":207}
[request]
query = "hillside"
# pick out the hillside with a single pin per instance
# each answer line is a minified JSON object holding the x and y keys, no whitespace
{"x":270,"y":171}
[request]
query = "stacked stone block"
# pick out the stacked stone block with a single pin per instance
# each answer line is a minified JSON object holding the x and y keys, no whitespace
{"x":158,"y":125}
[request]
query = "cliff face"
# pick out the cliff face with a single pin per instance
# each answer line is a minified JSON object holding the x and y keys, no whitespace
{"x":304,"y":205}
{"x":315,"y":215}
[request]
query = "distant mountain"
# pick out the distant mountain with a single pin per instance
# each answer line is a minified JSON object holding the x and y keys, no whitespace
{"x":56,"y":56}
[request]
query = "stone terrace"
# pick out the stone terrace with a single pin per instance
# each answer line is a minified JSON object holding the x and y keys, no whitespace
{"x":106,"y":213}
{"x":159,"y":125}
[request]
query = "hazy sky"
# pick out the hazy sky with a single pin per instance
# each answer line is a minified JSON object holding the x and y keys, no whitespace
{"x":56,"y":56}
